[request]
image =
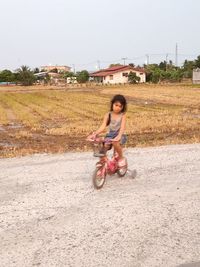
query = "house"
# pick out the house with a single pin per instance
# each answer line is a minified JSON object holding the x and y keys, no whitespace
{"x":196,"y":76}
{"x":54,"y":72}
{"x":117,"y":74}
{"x":55,"y":78}
{"x":60,"y":69}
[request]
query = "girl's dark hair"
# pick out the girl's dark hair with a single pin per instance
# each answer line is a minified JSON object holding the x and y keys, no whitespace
{"x":121,"y":99}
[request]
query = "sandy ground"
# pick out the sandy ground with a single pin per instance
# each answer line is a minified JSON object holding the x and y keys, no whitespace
{"x":50,"y":215}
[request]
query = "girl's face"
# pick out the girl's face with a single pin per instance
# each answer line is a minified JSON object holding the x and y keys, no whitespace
{"x":117,"y":107}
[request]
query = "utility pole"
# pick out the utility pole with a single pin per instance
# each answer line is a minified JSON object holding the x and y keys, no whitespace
{"x":166,"y":61}
{"x":147,"y":59}
{"x":124,"y":59}
{"x":176,"y":56}
{"x":98,"y":64}
{"x":74,"y":70}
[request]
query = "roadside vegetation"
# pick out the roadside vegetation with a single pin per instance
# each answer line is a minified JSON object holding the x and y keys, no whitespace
{"x":155,"y":73}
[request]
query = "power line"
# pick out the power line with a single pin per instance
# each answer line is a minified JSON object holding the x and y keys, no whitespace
{"x":166,"y":56}
{"x":110,"y":61}
{"x":136,"y":58}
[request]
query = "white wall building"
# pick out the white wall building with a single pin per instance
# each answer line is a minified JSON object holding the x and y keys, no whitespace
{"x":196,"y":76}
{"x":117,"y":74}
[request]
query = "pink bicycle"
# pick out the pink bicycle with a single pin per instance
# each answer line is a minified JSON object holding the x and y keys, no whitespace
{"x":105,"y":165}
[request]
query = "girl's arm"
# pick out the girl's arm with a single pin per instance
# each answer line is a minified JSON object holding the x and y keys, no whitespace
{"x":122,"y":129}
{"x":103,"y":125}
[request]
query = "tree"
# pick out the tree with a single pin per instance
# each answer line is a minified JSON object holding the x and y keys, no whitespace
{"x":133,"y":78}
{"x":156,"y":75}
{"x":25,"y":76}
{"x":176,"y":75}
{"x":152,"y":73}
{"x":82,"y":76}
{"x":36,"y":70}
{"x":114,"y":65}
{"x":170,"y":65}
{"x":55,"y":70}
{"x":188,"y":67}
{"x":163,"y":72}
{"x":131,"y":65}
{"x":197,"y":62}
{"x":163,"y":65}
{"x":68,"y":74}
{"x":7,"y":76}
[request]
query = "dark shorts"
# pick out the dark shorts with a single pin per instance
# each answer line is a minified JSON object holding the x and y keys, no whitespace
{"x":112,"y":135}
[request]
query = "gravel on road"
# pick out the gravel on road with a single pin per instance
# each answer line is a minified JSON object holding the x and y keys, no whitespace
{"x":50,"y":214}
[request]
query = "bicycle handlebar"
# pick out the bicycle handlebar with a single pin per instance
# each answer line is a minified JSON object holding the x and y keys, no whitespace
{"x":95,"y":139}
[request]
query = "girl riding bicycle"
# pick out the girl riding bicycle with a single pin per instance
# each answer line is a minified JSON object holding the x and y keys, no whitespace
{"x":116,"y":121}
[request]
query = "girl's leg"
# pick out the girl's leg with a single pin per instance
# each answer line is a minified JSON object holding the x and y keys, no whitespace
{"x":118,"y":149}
{"x":121,"y":159}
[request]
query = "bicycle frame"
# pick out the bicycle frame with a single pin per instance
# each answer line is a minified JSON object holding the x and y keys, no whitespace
{"x":110,"y":165}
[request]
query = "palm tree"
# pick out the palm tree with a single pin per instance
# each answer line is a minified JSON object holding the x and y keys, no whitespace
{"x":25,"y":76}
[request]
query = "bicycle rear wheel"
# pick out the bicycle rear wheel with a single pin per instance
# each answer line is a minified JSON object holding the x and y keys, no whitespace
{"x":99,"y":177}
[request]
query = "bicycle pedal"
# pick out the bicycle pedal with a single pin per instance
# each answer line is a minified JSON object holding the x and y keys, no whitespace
{"x":99,"y":154}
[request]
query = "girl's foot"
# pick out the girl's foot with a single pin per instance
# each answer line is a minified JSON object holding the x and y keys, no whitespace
{"x":121,"y":162}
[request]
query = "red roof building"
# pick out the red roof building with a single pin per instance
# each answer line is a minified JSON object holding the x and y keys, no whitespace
{"x":117,"y":74}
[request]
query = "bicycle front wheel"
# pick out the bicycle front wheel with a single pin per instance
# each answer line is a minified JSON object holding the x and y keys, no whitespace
{"x":123,"y":170}
{"x":99,"y":177}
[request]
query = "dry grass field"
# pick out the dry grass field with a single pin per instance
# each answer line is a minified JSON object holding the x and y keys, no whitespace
{"x":47,"y":119}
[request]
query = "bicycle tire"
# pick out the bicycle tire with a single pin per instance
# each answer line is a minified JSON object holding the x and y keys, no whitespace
{"x":123,"y":170}
{"x":98,"y":181}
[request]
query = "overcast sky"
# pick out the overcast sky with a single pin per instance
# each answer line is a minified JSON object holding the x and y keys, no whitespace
{"x":81,"y":32}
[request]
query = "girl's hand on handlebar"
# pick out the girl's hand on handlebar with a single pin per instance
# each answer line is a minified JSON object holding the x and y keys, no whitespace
{"x":91,"y":136}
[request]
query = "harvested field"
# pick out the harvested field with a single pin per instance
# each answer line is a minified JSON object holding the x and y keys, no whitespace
{"x":48,"y":119}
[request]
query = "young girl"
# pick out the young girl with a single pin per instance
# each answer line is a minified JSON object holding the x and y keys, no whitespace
{"x":116,"y":121}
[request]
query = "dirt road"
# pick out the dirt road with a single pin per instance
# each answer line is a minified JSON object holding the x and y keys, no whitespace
{"x":50,"y":215}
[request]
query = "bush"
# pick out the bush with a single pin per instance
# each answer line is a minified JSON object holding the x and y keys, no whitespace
{"x":133,"y":78}
{"x":82,"y":76}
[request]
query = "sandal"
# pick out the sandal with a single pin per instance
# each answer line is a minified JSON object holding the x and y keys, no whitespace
{"x":122,"y":163}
